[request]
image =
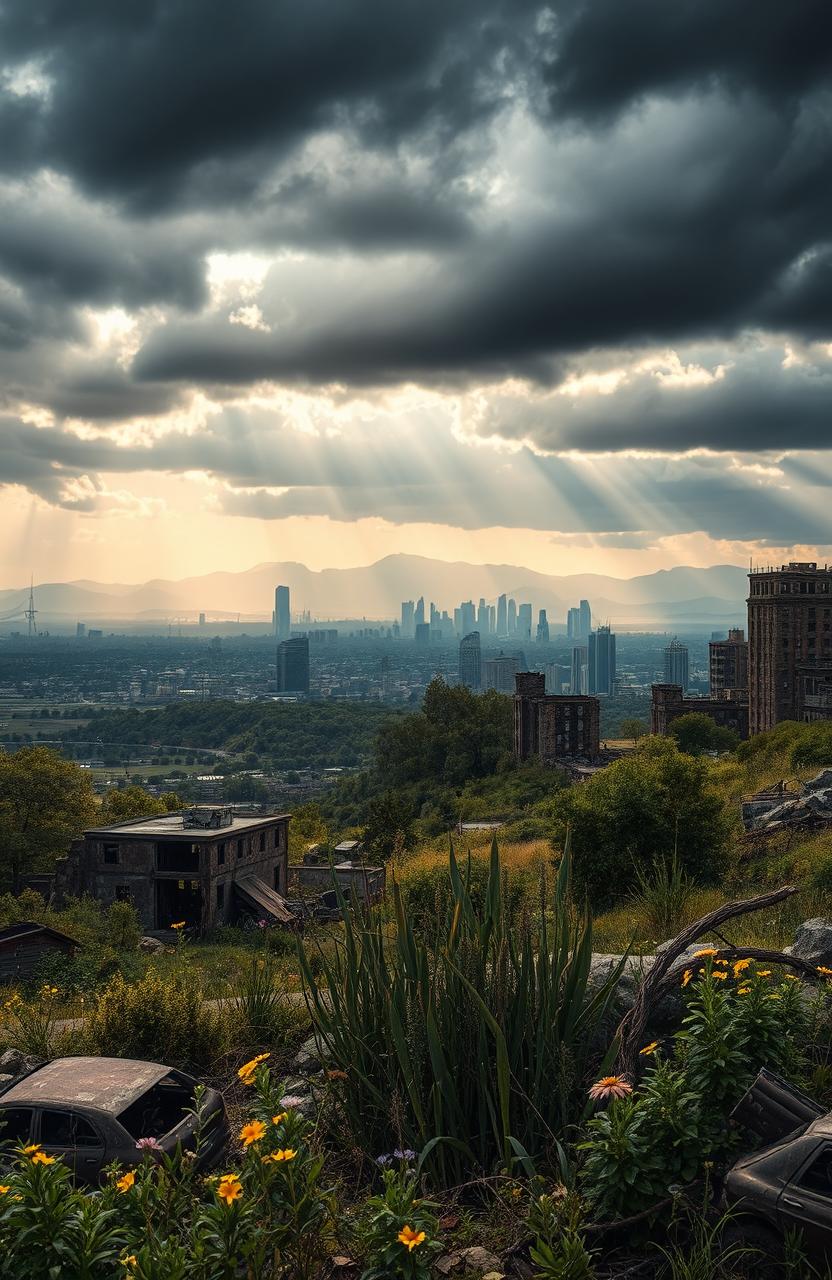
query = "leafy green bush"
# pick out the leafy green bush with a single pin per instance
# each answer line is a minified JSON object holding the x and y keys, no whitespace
{"x":630,"y":813}
{"x":398,"y":1230}
{"x":475,"y":1035}
{"x":164,"y":1019}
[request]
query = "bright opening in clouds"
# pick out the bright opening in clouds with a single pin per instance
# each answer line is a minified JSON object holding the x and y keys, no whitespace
{"x":540,"y":283}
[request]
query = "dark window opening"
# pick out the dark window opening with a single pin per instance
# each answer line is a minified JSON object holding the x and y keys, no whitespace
{"x":111,"y":854}
{"x":220,"y":897}
{"x":66,"y":1129}
{"x":221,"y":854}
{"x":159,"y":1110}
{"x":15,"y":1126}
{"x":124,"y":893}
{"x":818,"y":1177}
{"x":171,"y":855}
{"x":262,"y":841}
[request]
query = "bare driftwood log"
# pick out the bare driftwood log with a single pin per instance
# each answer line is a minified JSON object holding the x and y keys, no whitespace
{"x":660,"y":979}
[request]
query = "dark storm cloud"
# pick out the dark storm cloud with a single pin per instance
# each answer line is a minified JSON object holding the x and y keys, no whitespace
{"x":158,"y":101}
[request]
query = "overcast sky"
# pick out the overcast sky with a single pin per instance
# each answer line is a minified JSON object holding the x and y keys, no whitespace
{"x":482,"y":279}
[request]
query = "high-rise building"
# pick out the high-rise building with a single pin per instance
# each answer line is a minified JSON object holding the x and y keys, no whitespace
{"x":586,"y":619}
{"x":524,"y":622}
{"x":469,"y":616}
{"x":282,"y":614}
{"x":728,"y":665}
{"x":542,"y":628}
{"x":502,"y":617}
{"x":573,"y":624}
{"x":80,"y":630}
{"x":601,"y":661}
{"x":470,"y":661}
{"x":578,"y":675}
{"x":423,"y":633}
{"x":492,"y":619}
{"x":676,"y":664}
{"x":408,"y":621}
{"x":557,"y":677}
{"x":293,"y":665}
{"x":498,"y":673}
{"x":789,"y":644}
{"x":482,"y":617}
{"x":202,"y":619}
{"x":512,"y":617}
{"x":419,"y":615}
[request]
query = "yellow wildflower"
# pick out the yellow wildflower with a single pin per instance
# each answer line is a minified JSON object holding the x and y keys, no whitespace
{"x":717,"y":974}
{"x":740,"y":966}
{"x":32,"y":1147}
{"x":126,"y":1181}
{"x":246,"y":1072}
{"x":410,"y":1238}
{"x":648,"y":1049}
{"x":764,"y":973}
{"x":230,"y":1188}
{"x":705,"y":951}
{"x":722,"y":962}
{"x":790,"y":977}
{"x":827,"y":973}
{"x":180,"y":924}
{"x":252,"y":1132}
{"x":278,"y":1157}
{"x":4,"y":1191}
{"x":743,"y":991}
{"x":131,"y":1261}
{"x":40,"y":1157}
{"x":687,"y":977}
{"x":284,"y":1115}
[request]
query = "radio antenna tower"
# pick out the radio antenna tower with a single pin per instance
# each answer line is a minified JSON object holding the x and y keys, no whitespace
{"x":31,"y":613}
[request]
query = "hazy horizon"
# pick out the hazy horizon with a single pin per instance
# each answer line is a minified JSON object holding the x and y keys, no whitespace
{"x":540,"y":284}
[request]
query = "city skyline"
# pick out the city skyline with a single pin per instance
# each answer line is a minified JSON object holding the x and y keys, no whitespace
{"x":498,"y":294}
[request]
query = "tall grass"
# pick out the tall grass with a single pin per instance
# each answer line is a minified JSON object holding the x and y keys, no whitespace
{"x":482,"y":1035}
{"x":261,"y":1011}
{"x":663,"y":896}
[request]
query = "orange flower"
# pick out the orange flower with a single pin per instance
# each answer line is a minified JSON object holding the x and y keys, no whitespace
{"x":743,"y":991}
{"x":4,"y":1191}
{"x":610,"y":1087}
{"x":40,"y":1157}
{"x":827,"y":973}
{"x":278,"y":1157}
{"x":648,"y":1049}
{"x":230,"y":1188}
{"x":410,"y":1238}
{"x":126,"y":1181}
{"x":740,"y":966}
{"x":252,"y":1132}
{"x":336,"y":1075}
{"x":718,"y":974}
{"x":705,"y":951}
{"x":687,"y":977}
{"x":247,"y":1070}
{"x":284,"y":1115}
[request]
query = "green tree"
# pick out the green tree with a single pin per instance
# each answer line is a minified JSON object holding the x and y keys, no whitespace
{"x":633,"y":728}
{"x":389,"y":828}
{"x":122,"y":804}
{"x":696,"y":732}
{"x":634,"y":811}
{"x":45,"y":802}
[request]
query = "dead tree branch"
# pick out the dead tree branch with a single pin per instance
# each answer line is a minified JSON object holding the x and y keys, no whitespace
{"x":633,"y":1025}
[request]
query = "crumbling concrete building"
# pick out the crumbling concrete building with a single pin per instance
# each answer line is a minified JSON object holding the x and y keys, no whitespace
{"x":669,"y":703}
{"x":553,"y":728}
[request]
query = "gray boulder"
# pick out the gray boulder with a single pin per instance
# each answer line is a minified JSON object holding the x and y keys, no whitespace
{"x":812,"y":943}
{"x":12,"y":1061}
{"x":151,"y":946}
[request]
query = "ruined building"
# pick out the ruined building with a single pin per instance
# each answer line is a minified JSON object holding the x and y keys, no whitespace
{"x":728,"y":666}
{"x":202,"y":866}
{"x":789,"y":644}
{"x":551,"y":727}
{"x":669,"y":703}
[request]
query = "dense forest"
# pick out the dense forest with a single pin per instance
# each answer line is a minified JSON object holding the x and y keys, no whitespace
{"x":276,"y":735}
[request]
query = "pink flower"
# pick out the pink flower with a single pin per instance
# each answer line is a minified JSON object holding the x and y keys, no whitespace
{"x":610,"y":1087}
{"x":148,"y":1144}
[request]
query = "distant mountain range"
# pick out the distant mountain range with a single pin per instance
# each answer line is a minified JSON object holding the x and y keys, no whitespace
{"x":670,"y":597}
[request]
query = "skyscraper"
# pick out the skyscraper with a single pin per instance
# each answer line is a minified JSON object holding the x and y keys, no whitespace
{"x":512,"y":617}
{"x":573,"y":624}
{"x":728,"y":665}
{"x":789,"y":644}
{"x":524,"y":622}
{"x":502,"y":616}
{"x":578,"y":678}
{"x":542,"y":628}
{"x":282,"y":614}
{"x":676,"y":663}
{"x":423,"y":633}
{"x":601,"y":661}
{"x":293,"y":665}
{"x":468,"y":616}
{"x":407,"y":619}
{"x":419,"y":615}
{"x":498,"y":673}
{"x":470,"y":661}
{"x":586,"y":619}
{"x":482,"y":617}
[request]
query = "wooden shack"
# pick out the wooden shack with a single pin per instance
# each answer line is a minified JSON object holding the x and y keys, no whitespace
{"x":24,"y":945}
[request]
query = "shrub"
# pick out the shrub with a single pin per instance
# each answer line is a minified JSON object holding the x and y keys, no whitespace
{"x":261,"y":1012}
{"x":398,"y":1231}
{"x":123,"y":928}
{"x":476,"y":1036}
{"x":156,"y":1018}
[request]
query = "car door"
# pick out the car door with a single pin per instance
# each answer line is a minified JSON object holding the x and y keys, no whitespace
{"x":16,"y":1125}
{"x":805,"y":1203}
{"x":74,"y":1138}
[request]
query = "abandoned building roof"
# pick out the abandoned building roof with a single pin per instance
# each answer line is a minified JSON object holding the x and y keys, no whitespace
{"x":256,"y":893}
{"x":29,"y":929}
{"x":172,"y":825}
{"x":108,"y":1083}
